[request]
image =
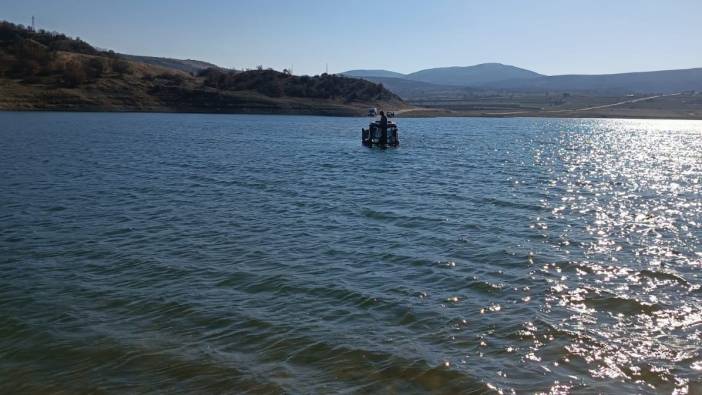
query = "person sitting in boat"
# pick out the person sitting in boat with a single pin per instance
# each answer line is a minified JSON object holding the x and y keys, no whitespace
{"x":383,"y":128}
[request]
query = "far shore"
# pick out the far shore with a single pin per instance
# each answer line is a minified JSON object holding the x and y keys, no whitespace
{"x":655,"y":106}
{"x":684,"y":106}
{"x":404,"y":113}
{"x":660,"y":114}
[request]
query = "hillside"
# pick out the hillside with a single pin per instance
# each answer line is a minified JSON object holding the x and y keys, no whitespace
{"x":187,"y":65}
{"x":50,"y":71}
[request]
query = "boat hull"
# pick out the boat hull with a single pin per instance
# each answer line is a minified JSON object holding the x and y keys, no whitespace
{"x":373,"y":136}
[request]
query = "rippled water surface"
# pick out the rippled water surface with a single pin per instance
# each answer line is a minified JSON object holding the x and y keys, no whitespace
{"x":272,"y":254}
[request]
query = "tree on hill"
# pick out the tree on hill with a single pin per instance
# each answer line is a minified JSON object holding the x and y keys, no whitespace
{"x":96,"y":67}
{"x":9,"y":32}
{"x":73,"y":74}
{"x":274,"y":84}
{"x":120,"y":66}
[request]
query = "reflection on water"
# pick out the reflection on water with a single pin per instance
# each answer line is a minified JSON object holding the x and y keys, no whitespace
{"x":198,"y":253}
{"x":625,"y":196}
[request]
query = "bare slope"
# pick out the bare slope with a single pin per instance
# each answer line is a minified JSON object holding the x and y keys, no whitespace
{"x":374,"y":73}
{"x":186,"y":65}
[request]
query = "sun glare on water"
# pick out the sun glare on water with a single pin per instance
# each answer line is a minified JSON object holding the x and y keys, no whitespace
{"x":626,"y":195}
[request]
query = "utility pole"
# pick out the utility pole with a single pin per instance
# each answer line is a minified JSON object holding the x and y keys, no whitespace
{"x":33,"y":28}
{"x":326,"y":69}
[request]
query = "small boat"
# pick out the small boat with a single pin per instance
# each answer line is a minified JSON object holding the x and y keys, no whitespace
{"x":373,"y":136}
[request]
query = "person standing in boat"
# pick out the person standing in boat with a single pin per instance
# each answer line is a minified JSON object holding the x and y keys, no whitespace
{"x":383,"y":128}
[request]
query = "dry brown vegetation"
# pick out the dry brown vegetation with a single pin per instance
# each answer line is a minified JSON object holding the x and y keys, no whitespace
{"x":50,"y":71}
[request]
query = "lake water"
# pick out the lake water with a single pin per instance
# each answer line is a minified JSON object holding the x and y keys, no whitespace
{"x":275,"y":254}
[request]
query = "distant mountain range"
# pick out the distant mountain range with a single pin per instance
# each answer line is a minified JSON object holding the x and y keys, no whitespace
{"x":477,"y":75}
{"x":667,"y":81}
{"x":496,"y":76}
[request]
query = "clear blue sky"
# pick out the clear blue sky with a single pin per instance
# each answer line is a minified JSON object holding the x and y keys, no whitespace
{"x":549,"y":36}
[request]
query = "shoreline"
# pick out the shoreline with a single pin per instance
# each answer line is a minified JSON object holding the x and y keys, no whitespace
{"x":405,"y":113}
{"x":564,"y":115}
